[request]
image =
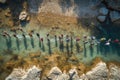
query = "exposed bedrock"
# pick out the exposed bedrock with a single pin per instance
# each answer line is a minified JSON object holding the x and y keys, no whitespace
{"x":99,"y":72}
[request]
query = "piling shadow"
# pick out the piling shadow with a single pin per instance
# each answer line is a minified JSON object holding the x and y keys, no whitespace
{"x":61,"y":46}
{"x":98,"y":48}
{"x":25,"y":42}
{"x":101,"y":48}
{"x":32,"y":42}
{"x":85,"y":51}
{"x":49,"y":47}
{"x":67,"y":49}
{"x":91,"y":50}
{"x":39,"y":44}
{"x":17,"y":44}
{"x":43,"y":47}
{"x":78,"y":48}
{"x":9,"y":43}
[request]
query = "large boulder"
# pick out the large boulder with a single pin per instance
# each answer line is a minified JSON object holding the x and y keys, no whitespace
{"x":114,"y":72}
{"x":19,"y":74}
{"x":16,"y":74}
{"x":114,"y":16}
{"x":101,"y":18}
{"x":54,"y":73}
{"x":103,"y":11}
{"x":100,"y":72}
{"x":73,"y":74}
{"x":64,"y":76}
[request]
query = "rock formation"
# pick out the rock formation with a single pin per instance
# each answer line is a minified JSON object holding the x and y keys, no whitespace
{"x":20,"y":74}
{"x":114,"y":72}
{"x":99,"y":72}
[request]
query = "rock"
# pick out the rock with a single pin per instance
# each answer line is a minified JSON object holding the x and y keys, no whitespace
{"x":103,"y":11}
{"x":2,"y":1}
{"x":101,"y":18}
{"x":114,"y":16}
{"x":54,"y":73}
{"x":100,"y":72}
{"x":7,"y":14}
{"x":16,"y":74}
{"x":28,"y":18}
{"x":19,"y":74}
{"x":73,"y":74}
{"x":33,"y":74}
{"x":114,"y":72}
{"x":23,"y":16}
{"x":64,"y":76}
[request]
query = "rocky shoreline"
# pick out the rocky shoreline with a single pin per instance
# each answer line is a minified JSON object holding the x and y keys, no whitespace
{"x":99,"y":72}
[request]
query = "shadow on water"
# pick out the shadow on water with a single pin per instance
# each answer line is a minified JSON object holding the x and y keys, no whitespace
{"x":101,"y":48}
{"x":105,"y":51}
{"x":43,"y":47}
{"x":71,"y":45}
{"x":23,"y":23}
{"x":61,"y":46}
{"x":39,"y":43}
{"x":98,"y":48}
{"x":85,"y":51}
{"x":17,"y":44}
{"x":25,"y":42}
{"x":9,"y":43}
{"x":49,"y":47}
{"x":32,"y":42}
{"x":78,"y":48}
{"x":117,"y":48}
{"x":67,"y":48}
{"x":91,"y":50}
{"x":56,"y":43}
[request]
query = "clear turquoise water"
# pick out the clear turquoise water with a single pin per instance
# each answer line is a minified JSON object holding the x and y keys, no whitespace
{"x":23,"y":48}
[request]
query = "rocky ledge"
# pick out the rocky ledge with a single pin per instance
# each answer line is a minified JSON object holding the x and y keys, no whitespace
{"x":100,"y":72}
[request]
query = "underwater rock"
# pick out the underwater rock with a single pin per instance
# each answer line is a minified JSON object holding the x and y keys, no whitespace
{"x":23,"y":16}
{"x":103,"y":11}
{"x":19,"y":74}
{"x":114,"y":16}
{"x":101,"y":18}
{"x":97,"y":73}
{"x":2,"y":1}
{"x":34,"y":55}
{"x":73,"y":59}
{"x":114,"y":72}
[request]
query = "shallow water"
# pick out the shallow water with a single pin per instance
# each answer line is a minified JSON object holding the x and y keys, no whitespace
{"x":24,"y":46}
